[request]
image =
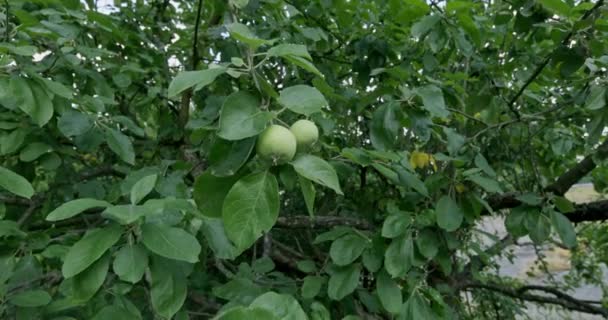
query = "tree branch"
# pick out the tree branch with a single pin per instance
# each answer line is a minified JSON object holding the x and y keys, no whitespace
{"x":38,"y":199}
{"x":303,"y":222}
{"x":593,"y":211}
{"x":8,"y":33}
{"x":546,"y":60}
{"x":184,"y":112}
{"x":324,"y":26}
{"x":559,"y":298}
{"x":572,"y":176}
{"x":561,"y":185}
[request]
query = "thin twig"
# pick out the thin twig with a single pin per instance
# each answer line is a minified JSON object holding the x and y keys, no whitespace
{"x":184,"y":113}
{"x":8,"y":34}
{"x":29,"y":212}
{"x":468,"y":116}
{"x":303,"y":222}
{"x":546,"y":61}
{"x":561,"y":299}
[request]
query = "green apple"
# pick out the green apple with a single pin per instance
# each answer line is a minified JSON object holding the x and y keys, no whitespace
{"x":306,"y":133}
{"x":276,"y":144}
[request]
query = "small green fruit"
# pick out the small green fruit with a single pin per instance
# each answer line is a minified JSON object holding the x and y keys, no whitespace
{"x":306,"y":133}
{"x":277,"y":144}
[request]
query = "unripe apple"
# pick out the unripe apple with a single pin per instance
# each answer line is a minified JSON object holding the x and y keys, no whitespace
{"x":277,"y":144}
{"x":306,"y":133}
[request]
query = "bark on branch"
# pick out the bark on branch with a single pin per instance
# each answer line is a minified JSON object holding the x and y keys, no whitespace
{"x":561,"y":185}
{"x":572,"y":176}
{"x":319,"y":222}
{"x":565,"y":41}
{"x":550,"y":296}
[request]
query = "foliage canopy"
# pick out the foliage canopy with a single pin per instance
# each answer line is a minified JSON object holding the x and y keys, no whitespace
{"x":131,"y":188}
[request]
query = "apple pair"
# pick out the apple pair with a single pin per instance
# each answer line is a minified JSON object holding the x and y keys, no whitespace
{"x":280,"y":144}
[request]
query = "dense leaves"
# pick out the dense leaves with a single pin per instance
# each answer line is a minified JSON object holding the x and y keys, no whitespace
{"x":131,"y":188}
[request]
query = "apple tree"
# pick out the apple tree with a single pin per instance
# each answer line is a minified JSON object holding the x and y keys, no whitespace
{"x":298,"y":159}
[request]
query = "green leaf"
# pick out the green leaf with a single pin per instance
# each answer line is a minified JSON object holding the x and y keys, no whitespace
{"x":432,"y":100}
{"x":343,"y":281}
{"x":130,"y":263}
{"x":391,"y":175}
{"x":210,"y":191}
{"x":10,"y":228}
{"x":170,"y":242}
{"x":57,"y":88}
{"x":482,"y":163}
{"x":530,"y":198}
{"x":449,"y":215}
{"x":240,"y":313}
{"x":142,"y":187}
{"x":462,"y":44}
{"x":188,"y":79}
{"x":122,"y":80}
{"x":564,"y":229}
{"x":22,"y":93}
{"x":215,"y":234}
{"x":302,"y":99}
{"x":384,"y":127}
{"x":88,"y":282}
{"x":168,"y":287}
{"x":15,"y":183}
{"x":263,"y":265}
{"x":74,"y":207}
{"x":514,"y":222}
{"x":283,"y":306}
{"x":564,"y":205}
{"x":33,"y":151}
{"x":489,"y":185}
{"x":288,"y":49}
{"x":389,"y":293}
{"x":74,"y":123}
{"x":42,"y":110}
{"x":597,"y":96}
{"x":538,"y":225}
{"x":32,"y":99}
{"x":227,"y":157}
{"x":90,"y":248}
{"x":125,"y":213}
{"x":333,"y":234}
{"x":309,"y":193}
{"x":455,"y":140}
{"x":319,"y":312}
{"x":347,"y":249}
{"x":13,"y":141}
{"x":427,"y":243}
{"x":556,"y":6}
{"x":312,"y":286}
{"x":399,"y":256}
{"x":317,"y":170}
{"x":251,"y":208}
{"x":127,"y":123}
{"x":307,"y":266}
{"x":26,"y":51}
{"x":241,"y":117}
{"x":112,"y":313}
{"x":121,"y":145}
{"x":31,"y":298}
{"x":304,"y":64}
{"x":239,"y":3}
{"x":422,"y":27}
{"x":416,"y":307}
{"x":372,"y":257}
{"x":412,"y":181}
{"x":396,"y":224}
{"x":242,"y":33}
